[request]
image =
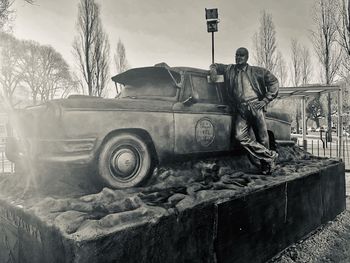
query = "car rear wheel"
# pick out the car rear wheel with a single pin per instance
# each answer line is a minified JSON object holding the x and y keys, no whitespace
{"x":124,"y":161}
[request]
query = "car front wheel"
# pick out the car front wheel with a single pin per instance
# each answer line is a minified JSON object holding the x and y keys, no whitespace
{"x":124,"y":161}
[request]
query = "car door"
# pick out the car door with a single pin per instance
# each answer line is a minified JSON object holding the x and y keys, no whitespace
{"x":203,"y":125}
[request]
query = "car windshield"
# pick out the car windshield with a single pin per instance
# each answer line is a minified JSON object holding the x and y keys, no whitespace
{"x":144,"y":88}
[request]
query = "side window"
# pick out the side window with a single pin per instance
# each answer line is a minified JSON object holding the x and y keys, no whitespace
{"x":187,"y":89}
{"x":207,"y":92}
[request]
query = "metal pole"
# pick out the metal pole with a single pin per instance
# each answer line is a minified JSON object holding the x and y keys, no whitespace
{"x":336,"y":151}
{"x":340,"y":122}
{"x":347,"y":150}
{"x":3,"y":162}
{"x":212,"y":47}
{"x":304,"y":124}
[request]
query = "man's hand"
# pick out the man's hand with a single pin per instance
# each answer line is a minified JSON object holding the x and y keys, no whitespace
{"x":213,"y":73}
{"x":258,"y":104}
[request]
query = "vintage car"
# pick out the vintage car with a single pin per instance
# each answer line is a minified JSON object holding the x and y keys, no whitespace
{"x":160,"y":113}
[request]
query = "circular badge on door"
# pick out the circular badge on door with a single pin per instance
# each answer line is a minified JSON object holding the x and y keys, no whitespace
{"x":205,"y":132}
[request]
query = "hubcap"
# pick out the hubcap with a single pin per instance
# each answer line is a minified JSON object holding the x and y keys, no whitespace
{"x":124,"y":162}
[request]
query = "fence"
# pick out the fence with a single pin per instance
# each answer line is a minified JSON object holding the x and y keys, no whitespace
{"x":319,"y":146}
{"x":5,"y":165}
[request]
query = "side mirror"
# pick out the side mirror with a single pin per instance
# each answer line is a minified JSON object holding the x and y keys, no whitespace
{"x":189,"y":101}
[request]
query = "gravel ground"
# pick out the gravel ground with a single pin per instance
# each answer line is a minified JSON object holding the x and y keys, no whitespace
{"x":330,"y":243}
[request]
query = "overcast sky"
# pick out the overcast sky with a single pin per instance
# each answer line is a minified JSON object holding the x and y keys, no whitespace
{"x":168,"y":31}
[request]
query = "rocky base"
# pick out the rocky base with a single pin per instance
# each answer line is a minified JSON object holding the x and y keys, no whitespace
{"x":214,"y":210}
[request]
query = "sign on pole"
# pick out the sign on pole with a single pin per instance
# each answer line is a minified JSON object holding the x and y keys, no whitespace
{"x":211,"y":15}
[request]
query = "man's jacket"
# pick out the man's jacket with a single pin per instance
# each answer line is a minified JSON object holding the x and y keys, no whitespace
{"x":264,"y":83}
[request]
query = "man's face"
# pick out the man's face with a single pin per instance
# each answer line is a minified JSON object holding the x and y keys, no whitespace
{"x":241,"y":57}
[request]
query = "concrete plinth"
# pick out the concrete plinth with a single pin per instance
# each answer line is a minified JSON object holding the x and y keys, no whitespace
{"x":259,"y":225}
{"x":247,"y":226}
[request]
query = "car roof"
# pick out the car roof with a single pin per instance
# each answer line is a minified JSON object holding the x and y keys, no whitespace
{"x":160,"y":73}
{"x":160,"y":70}
{"x":191,"y":70}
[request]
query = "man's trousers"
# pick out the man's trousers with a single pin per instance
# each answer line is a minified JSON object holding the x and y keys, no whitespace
{"x":248,"y":118}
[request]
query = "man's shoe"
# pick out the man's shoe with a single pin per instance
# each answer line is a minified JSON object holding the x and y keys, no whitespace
{"x":274,"y":156}
{"x":265,"y":168}
{"x":268,"y":167}
{"x":274,"y":161}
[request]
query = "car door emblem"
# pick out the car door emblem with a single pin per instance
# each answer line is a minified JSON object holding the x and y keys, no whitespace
{"x":205,"y":132}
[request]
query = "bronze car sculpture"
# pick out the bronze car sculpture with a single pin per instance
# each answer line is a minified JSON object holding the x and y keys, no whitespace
{"x":160,"y":113}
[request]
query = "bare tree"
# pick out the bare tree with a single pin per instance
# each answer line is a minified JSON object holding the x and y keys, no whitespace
{"x":282,"y":76}
{"x":44,"y":72}
{"x":343,"y":8}
{"x":55,"y":74}
{"x":101,"y":61}
{"x":91,"y":47}
{"x":296,"y":62}
{"x":265,"y":43}
{"x":314,"y":107}
{"x":327,"y":49}
{"x":306,"y":66}
{"x":315,"y":110}
{"x":10,"y":76}
{"x":121,"y":63}
{"x":78,"y":84}
{"x":301,"y":75}
{"x":71,"y":87}
{"x":281,"y":69}
{"x":29,"y":66}
{"x":6,"y":13}
{"x":296,"y":77}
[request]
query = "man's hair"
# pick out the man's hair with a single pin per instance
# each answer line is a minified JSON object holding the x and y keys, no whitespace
{"x":243,"y":50}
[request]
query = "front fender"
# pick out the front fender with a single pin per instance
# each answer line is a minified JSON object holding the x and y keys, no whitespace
{"x":98,"y":124}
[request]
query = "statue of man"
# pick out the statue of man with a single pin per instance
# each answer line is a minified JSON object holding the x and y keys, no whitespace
{"x":249,"y":90}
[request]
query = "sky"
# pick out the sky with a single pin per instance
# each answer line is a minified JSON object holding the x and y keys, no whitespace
{"x":168,"y":31}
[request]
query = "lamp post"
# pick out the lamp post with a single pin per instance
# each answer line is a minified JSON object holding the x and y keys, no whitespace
{"x":211,"y":15}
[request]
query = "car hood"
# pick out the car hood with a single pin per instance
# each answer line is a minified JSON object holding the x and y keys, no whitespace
{"x":95,"y":103}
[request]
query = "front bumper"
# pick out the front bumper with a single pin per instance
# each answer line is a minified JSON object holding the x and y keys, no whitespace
{"x":70,"y":151}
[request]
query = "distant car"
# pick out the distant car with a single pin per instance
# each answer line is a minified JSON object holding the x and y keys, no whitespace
{"x":160,"y":113}
{"x":313,"y":129}
{"x":321,"y":129}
